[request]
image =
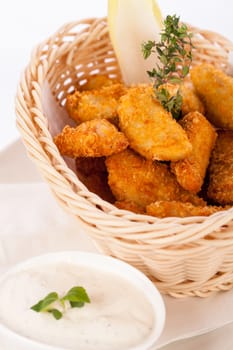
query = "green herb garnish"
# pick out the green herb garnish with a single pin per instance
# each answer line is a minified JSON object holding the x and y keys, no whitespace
{"x":174,"y":52}
{"x":43,"y":304}
{"x":56,"y":313}
{"x":76,"y":296}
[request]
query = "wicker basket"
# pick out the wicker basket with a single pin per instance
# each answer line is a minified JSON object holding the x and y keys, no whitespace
{"x":183,"y":256}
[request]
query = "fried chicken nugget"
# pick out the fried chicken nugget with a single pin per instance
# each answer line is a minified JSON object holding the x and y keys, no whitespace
{"x":163,"y":209}
{"x":150,"y":129}
{"x":216,"y":90}
{"x":94,"y":104}
{"x":190,"y":172}
{"x":190,"y":100}
{"x":133,"y":178}
{"x":95,"y":138}
{"x":131,"y":206}
{"x":220,"y":187}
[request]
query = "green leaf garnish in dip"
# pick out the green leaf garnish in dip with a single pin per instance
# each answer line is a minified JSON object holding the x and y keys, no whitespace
{"x":77,"y":297}
{"x":56,"y":313}
{"x":43,"y":304}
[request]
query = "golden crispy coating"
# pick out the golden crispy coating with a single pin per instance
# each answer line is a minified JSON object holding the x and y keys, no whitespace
{"x":133,"y":178}
{"x":163,"y":209}
{"x":190,"y":100}
{"x":189,"y":197}
{"x":95,"y":138}
{"x":90,"y":165}
{"x":216,"y":90}
{"x":190,"y":172}
{"x":220,"y":187}
{"x":95,"y":82}
{"x":94,"y":104}
{"x":151,"y":130}
{"x":131,"y":206}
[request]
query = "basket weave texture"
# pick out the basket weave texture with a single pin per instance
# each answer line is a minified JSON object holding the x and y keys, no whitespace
{"x":183,"y":256}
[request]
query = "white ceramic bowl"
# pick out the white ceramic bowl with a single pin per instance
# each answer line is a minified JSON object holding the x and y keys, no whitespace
{"x":10,"y":340}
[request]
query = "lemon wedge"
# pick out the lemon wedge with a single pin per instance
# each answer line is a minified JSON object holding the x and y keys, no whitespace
{"x":132,"y":22}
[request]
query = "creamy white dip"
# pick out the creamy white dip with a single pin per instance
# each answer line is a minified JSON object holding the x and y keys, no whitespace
{"x":118,"y":317}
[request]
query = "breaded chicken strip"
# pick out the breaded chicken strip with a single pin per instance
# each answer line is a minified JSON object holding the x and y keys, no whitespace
{"x":131,"y":206}
{"x":95,"y":82}
{"x":133,"y":178}
{"x":220,"y":187}
{"x":216,"y":90}
{"x":95,"y":138}
{"x":94,"y":104}
{"x":190,"y":100}
{"x":190,"y":172}
{"x":150,"y":129}
{"x":163,"y":209}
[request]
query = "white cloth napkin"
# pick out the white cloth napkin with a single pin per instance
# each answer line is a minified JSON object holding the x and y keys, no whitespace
{"x":32,"y":223}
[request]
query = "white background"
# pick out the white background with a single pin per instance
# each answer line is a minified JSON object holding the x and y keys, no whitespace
{"x":24,"y":23}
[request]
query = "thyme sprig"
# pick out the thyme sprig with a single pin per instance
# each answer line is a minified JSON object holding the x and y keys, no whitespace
{"x":174,"y":52}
